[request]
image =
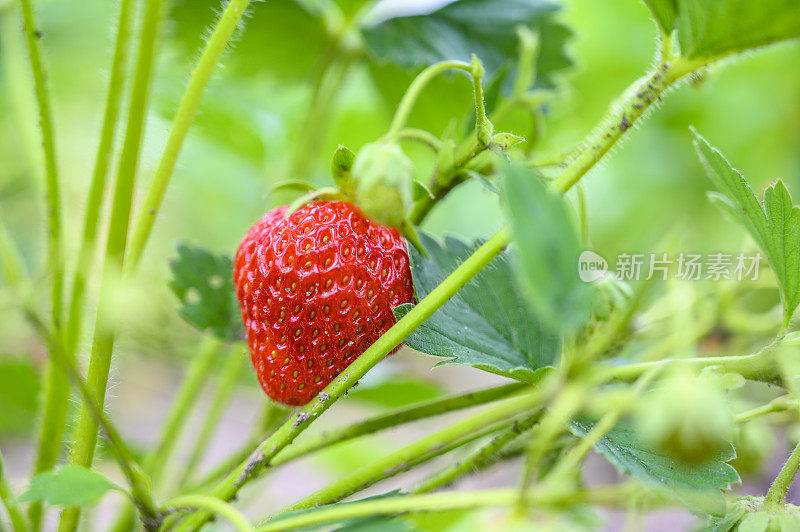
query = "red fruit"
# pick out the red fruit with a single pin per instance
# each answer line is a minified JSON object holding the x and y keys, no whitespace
{"x":315,"y":290}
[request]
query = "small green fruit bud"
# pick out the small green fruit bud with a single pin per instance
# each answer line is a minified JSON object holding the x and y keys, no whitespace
{"x":384,"y":183}
{"x":687,"y":418}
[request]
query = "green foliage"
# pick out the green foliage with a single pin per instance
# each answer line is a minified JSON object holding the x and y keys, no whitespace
{"x":775,"y":225}
{"x":203,"y":283}
{"x":486,"y":28}
{"x":69,"y":485}
{"x":19,"y":389}
{"x":487,"y":325}
{"x":696,"y":486}
{"x":549,"y":247}
{"x":709,"y":29}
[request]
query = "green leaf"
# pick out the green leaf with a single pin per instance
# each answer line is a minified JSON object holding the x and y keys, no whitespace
{"x":665,"y":12}
{"x":486,"y":28}
{"x":204,"y":284}
{"x":487,"y":324}
{"x":69,"y":485}
{"x":775,"y":226}
{"x":715,"y":28}
{"x":696,"y":486}
{"x":549,"y":248}
{"x":19,"y":391}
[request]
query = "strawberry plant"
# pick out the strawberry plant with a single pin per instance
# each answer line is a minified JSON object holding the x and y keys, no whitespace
{"x":681,"y":388}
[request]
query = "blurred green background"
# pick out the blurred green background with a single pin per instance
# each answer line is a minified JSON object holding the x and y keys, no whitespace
{"x":651,"y":186}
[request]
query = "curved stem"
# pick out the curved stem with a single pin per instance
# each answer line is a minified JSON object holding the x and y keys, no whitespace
{"x":777,"y":491}
{"x":9,"y":501}
{"x":422,"y":136}
{"x":779,"y":404}
{"x":397,"y":417}
{"x":104,"y":334}
{"x":268,"y":449}
{"x":180,"y":127}
{"x":410,"y":97}
{"x":214,"y":505}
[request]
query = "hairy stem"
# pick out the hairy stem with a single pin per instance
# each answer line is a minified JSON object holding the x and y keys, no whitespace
{"x":104,"y":334}
{"x":777,"y":491}
{"x":265,"y":452}
{"x":180,"y":127}
{"x":620,"y":118}
{"x":55,"y":389}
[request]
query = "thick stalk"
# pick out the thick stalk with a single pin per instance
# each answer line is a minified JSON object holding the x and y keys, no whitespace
{"x":104,"y":335}
{"x":178,"y":414}
{"x":777,"y":491}
{"x":55,"y":390}
{"x":180,"y":127}
{"x":263,"y":455}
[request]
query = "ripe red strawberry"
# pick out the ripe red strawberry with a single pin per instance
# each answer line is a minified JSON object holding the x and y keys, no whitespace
{"x":315,"y":289}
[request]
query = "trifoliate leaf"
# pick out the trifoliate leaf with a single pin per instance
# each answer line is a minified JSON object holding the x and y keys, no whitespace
{"x":487,"y":324}
{"x":775,"y":226}
{"x":69,"y":485}
{"x":203,"y":283}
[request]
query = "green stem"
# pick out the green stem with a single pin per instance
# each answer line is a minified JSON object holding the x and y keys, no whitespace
{"x":227,"y":382}
{"x":213,"y":505}
{"x":9,"y":501}
{"x":102,"y":160}
{"x":779,"y":404}
{"x":422,"y":136}
{"x":268,"y":449}
{"x":410,"y":97}
{"x":55,"y":391}
{"x":138,"y":481}
{"x":477,"y":459}
{"x":104,"y":334}
{"x":185,"y":398}
{"x":400,"y":416}
{"x":465,"y":430}
{"x":180,"y":127}
{"x":622,"y":117}
{"x":611,"y":496}
{"x":777,"y":491}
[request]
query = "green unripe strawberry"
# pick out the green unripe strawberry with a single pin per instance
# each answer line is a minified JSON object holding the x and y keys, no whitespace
{"x":384,"y":182}
{"x":686,"y":418}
